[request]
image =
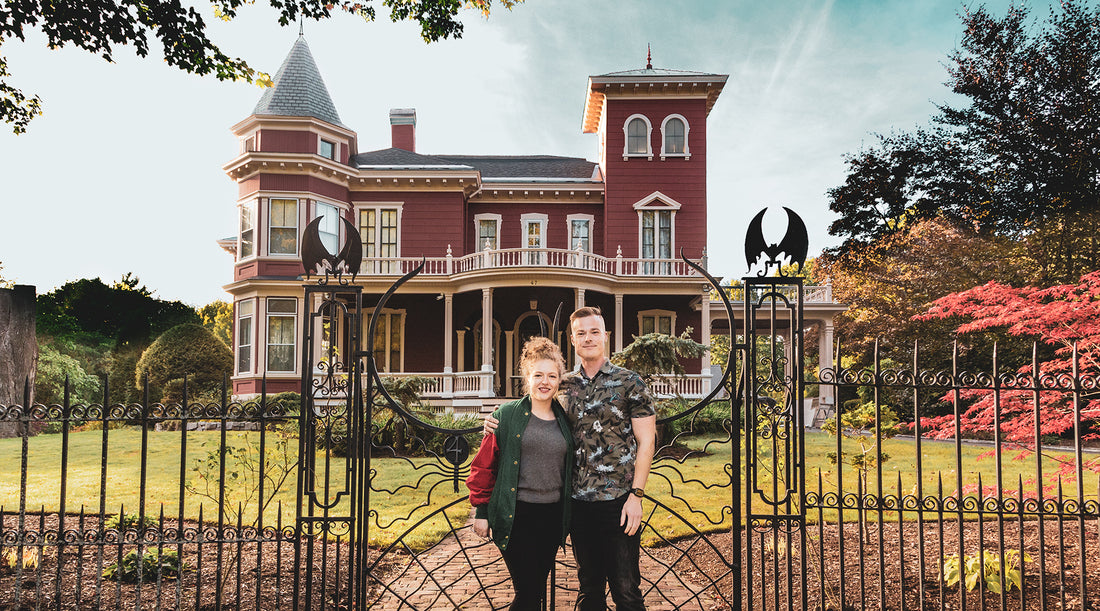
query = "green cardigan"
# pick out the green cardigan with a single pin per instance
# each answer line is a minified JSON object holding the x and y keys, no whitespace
{"x":513,"y":417}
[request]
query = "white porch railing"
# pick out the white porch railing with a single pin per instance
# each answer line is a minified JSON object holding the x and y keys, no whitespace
{"x":462,"y":384}
{"x":688,"y":386}
{"x":506,"y":258}
{"x":810,"y":294}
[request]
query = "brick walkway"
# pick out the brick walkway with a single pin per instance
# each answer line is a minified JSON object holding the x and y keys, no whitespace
{"x":468,"y":573}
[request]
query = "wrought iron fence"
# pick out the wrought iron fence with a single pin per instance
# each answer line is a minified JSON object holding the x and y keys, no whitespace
{"x":181,"y":505}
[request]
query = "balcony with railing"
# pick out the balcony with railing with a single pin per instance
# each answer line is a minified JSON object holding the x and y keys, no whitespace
{"x":516,"y":258}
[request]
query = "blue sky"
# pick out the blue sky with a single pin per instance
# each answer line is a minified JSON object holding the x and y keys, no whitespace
{"x":123,"y":172}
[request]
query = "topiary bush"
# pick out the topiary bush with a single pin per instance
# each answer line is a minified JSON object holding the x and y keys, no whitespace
{"x":190,"y":350}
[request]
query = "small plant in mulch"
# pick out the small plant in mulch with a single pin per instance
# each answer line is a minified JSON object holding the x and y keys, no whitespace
{"x":987,"y":567}
{"x":129,"y":521}
{"x":154,"y":563}
{"x":28,"y":560}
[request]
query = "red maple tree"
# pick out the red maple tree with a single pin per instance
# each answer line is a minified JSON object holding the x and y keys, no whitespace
{"x":1041,"y":394}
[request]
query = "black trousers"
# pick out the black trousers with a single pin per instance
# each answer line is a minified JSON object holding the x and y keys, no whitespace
{"x":605,"y":556}
{"x":532,"y":546}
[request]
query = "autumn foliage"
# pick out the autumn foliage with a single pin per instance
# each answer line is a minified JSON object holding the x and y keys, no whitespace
{"x":1056,"y":396}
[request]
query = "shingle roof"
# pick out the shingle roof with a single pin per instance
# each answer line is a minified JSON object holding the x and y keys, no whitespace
{"x":526,"y":166}
{"x":490,"y":166}
{"x":398,"y":157}
{"x":299,"y":90}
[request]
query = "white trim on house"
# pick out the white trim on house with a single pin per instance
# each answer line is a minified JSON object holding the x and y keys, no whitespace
{"x":687,"y":130}
{"x":486,"y":216}
{"x":657,"y":314}
{"x":648,"y":154}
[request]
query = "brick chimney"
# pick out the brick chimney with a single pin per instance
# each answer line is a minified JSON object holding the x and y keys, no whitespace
{"x":403,"y":128}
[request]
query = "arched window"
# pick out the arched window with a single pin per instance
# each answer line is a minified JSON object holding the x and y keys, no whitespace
{"x":674,"y":137}
{"x":637,"y":130}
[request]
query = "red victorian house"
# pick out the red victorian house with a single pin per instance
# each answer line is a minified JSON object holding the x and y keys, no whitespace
{"x":506,"y":238}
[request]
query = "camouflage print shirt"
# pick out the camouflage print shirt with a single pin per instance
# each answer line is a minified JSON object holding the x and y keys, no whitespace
{"x":601,"y":408}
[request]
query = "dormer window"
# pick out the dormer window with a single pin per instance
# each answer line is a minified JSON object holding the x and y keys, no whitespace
{"x":637,"y":130}
{"x":327,"y":149}
{"x":674,"y":137}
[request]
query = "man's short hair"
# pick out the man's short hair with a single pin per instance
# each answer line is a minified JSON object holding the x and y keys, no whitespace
{"x":585,"y":312}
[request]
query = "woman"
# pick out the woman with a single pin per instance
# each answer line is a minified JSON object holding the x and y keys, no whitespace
{"x":521,"y":477}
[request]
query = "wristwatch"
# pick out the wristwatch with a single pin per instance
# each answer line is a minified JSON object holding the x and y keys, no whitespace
{"x":638,"y":492}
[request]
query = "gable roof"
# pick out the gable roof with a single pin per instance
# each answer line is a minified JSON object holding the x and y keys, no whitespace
{"x":298,"y":90}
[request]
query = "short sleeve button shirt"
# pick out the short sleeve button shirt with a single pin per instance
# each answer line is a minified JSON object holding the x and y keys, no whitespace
{"x":602,"y":407}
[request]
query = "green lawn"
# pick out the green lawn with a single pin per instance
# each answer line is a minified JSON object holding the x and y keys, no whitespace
{"x":406,"y":491}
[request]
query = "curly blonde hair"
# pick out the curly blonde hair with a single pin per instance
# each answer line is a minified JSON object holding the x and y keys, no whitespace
{"x":537,"y":349}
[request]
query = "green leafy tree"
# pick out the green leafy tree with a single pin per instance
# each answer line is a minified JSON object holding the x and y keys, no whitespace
{"x":889,"y":282}
{"x":54,"y":368}
{"x":101,"y":26}
{"x":1016,"y":159}
{"x":89,"y":309}
{"x":654,"y":354}
{"x":185,"y":350}
{"x":218,"y":317}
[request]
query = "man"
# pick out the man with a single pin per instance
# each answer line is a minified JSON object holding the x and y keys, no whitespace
{"x":614,"y":428}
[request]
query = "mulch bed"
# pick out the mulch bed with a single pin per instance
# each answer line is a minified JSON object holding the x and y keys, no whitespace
{"x":773,"y":574}
{"x":263,"y":579}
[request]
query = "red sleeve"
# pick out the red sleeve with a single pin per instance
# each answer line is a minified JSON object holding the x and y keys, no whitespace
{"x":483,"y":471}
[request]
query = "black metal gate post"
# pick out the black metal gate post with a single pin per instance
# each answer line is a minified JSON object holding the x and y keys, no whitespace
{"x":330,"y":457}
{"x":774,"y":442}
{"x":775,"y":465}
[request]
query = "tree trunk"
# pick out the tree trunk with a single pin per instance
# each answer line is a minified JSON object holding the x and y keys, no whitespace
{"x":18,"y":350}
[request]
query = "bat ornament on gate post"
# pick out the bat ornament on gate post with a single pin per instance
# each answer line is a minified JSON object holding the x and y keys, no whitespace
{"x":793,"y":246}
{"x":316,"y":259}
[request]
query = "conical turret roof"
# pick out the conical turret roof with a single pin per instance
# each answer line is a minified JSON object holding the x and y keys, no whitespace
{"x":299,"y":90}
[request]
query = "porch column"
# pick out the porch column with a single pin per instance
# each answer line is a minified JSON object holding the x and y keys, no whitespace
{"x":509,"y":358}
{"x":704,"y":338}
{"x":578,"y":301}
{"x":448,"y":343}
{"x":460,"y":335}
{"x":487,"y":329}
{"x":486,"y":342}
{"x":827,"y":393}
{"x":448,"y":331}
{"x":618,"y":322}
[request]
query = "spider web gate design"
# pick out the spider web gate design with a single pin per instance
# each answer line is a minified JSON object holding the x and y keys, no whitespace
{"x":382,"y":484}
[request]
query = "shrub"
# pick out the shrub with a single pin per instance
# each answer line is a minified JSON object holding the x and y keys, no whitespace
{"x":154,"y":563}
{"x":394,"y":432}
{"x":711,"y":419}
{"x":128,"y":521}
{"x":49,"y":382}
{"x":186,"y":349}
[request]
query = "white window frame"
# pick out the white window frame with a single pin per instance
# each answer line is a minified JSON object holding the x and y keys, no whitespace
{"x":270,"y":226}
{"x":250,"y":142}
{"x":687,"y":130}
{"x":658,"y":201}
{"x":268,"y":315}
{"x":542,"y":220}
{"x":590,"y":219}
{"x":656,"y":315}
{"x":485,"y":216}
{"x":239,"y":337}
{"x":317,"y":214}
{"x":375,"y":240}
{"x":648,"y":154}
{"x":250,"y":207}
{"x":335,"y":148}
{"x":387,"y":316}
